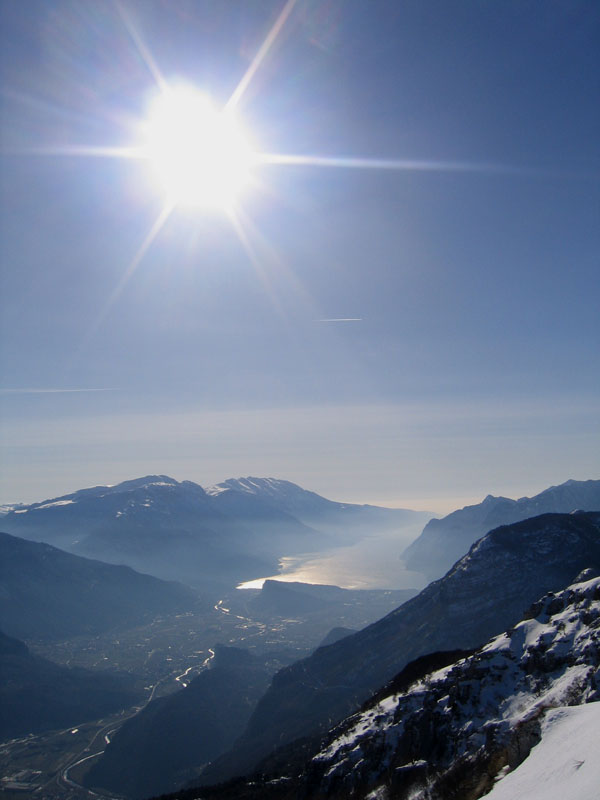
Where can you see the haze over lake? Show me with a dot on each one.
(372, 563)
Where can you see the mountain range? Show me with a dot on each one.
(444, 541)
(229, 721)
(319, 512)
(454, 724)
(210, 539)
(483, 594)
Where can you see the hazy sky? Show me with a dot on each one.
(471, 273)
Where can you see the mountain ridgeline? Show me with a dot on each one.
(210, 539)
(48, 594)
(444, 541)
(482, 595)
(452, 724)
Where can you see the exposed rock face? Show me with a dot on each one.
(462, 724)
(482, 595)
(444, 541)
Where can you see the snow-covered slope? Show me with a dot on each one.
(482, 595)
(444, 541)
(564, 764)
(464, 723)
(454, 732)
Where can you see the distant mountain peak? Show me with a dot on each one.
(254, 485)
(444, 541)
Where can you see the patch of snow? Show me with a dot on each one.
(56, 503)
(546, 662)
(564, 764)
(6, 508)
(215, 490)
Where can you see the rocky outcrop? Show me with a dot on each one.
(451, 732)
(484, 593)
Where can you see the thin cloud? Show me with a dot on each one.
(53, 391)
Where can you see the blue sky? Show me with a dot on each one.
(473, 367)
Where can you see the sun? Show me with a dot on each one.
(199, 154)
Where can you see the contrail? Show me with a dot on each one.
(341, 319)
(403, 164)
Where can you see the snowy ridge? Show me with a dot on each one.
(126, 487)
(485, 710)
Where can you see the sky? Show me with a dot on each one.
(436, 186)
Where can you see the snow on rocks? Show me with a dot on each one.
(478, 716)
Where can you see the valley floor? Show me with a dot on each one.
(164, 656)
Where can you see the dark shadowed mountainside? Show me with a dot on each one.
(452, 724)
(174, 736)
(444, 541)
(38, 695)
(48, 594)
(483, 594)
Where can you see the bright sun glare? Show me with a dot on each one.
(198, 153)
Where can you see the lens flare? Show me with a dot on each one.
(200, 155)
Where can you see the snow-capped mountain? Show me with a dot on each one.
(454, 731)
(317, 511)
(233, 532)
(444, 541)
(168, 528)
(484, 593)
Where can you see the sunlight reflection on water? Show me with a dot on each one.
(372, 563)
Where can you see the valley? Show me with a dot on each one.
(299, 430)
(119, 684)
(164, 656)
